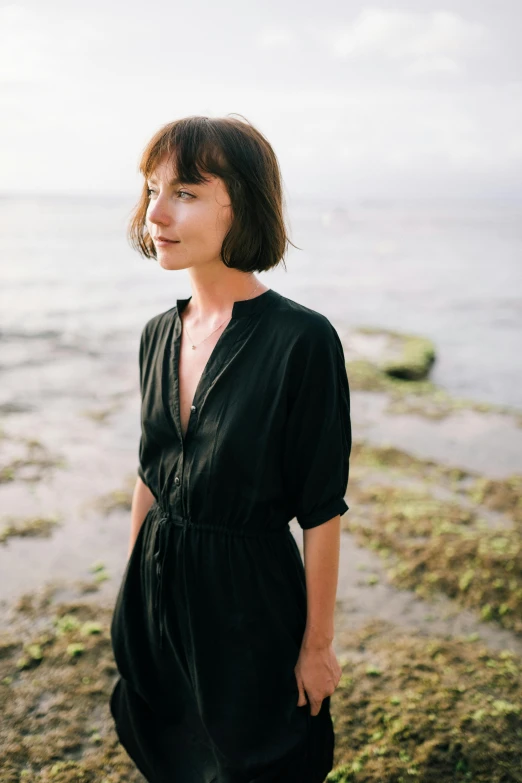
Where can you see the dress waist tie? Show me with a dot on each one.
(164, 527)
(160, 550)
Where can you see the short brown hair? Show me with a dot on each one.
(241, 156)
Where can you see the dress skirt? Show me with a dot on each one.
(206, 651)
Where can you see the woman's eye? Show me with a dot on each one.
(150, 192)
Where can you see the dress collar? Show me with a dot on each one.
(242, 307)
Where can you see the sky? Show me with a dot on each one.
(360, 100)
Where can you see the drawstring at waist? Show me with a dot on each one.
(160, 550)
(164, 527)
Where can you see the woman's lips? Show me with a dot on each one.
(163, 242)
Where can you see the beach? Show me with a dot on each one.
(429, 603)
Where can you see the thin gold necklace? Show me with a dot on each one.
(194, 346)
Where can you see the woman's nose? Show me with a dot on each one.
(158, 212)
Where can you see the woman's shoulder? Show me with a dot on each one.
(302, 323)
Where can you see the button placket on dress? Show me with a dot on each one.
(161, 544)
(205, 381)
(172, 517)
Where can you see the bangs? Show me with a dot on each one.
(191, 148)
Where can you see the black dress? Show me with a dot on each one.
(211, 611)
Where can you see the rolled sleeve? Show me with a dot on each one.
(318, 429)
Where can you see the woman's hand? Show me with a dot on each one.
(317, 672)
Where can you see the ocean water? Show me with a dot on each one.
(74, 295)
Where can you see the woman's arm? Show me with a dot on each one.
(317, 670)
(142, 500)
(321, 546)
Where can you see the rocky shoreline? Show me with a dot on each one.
(429, 610)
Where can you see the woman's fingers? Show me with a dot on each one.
(302, 694)
(315, 707)
(304, 699)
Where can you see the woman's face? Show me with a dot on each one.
(195, 218)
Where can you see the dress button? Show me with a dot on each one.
(192, 408)
(176, 480)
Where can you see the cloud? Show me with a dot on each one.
(22, 47)
(36, 48)
(424, 41)
(425, 65)
(275, 39)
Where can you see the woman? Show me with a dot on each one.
(222, 637)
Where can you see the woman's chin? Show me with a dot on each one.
(168, 263)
